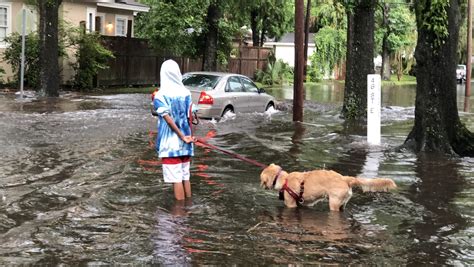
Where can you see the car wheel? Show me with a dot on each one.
(227, 109)
(270, 105)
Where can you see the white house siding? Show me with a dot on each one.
(286, 51)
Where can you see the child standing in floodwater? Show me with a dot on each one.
(174, 142)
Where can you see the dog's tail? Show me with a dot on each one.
(373, 185)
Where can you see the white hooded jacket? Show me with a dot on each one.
(173, 99)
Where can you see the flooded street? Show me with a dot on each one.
(80, 183)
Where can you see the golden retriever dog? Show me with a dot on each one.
(308, 188)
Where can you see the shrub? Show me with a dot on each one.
(2, 71)
(276, 72)
(12, 56)
(91, 56)
(330, 51)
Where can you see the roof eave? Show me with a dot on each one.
(125, 7)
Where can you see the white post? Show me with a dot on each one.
(373, 108)
(22, 71)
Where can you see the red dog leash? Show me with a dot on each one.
(235, 155)
(298, 198)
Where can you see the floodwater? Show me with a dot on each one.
(80, 183)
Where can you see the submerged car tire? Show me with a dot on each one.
(270, 105)
(227, 109)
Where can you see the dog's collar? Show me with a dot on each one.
(276, 177)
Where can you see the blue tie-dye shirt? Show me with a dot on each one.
(168, 143)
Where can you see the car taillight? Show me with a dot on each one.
(205, 99)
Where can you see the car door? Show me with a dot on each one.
(235, 94)
(255, 103)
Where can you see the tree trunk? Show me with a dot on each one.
(385, 71)
(209, 62)
(48, 34)
(437, 126)
(360, 59)
(254, 27)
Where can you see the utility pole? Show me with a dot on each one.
(299, 62)
(306, 37)
(467, 92)
(22, 65)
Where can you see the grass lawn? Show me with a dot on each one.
(404, 80)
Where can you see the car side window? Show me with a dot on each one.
(249, 86)
(234, 85)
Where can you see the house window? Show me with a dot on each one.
(121, 26)
(4, 23)
(90, 21)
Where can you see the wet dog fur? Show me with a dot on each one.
(320, 185)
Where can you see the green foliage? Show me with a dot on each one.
(173, 26)
(12, 56)
(227, 29)
(329, 13)
(330, 51)
(401, 28)
(432, 15)
(462, 41)
(273, 18)
(330, 23)
(2, 71)
(401, 35)
(91, 56)
(178, 27)
(276, 72)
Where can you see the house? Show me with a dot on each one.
(108, 17)
(285, 48)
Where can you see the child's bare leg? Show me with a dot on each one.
(178, 191)
(187, 188)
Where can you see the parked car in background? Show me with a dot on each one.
(461, 73)
(217, 93)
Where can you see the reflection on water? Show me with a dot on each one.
(80, 184)
(441, 220)
(333, 92)
(169, 236)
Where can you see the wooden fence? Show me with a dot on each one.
(136, 63)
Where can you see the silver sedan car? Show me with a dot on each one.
(217, 93)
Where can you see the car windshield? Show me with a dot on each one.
(201, 81)
(461, 67)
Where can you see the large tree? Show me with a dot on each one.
(395, 35)
(49, 47)
(267, 18)
(211, 36)
(330, 26)
(437, 126)
(359, 57)
(195, 28)
(173, 27)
